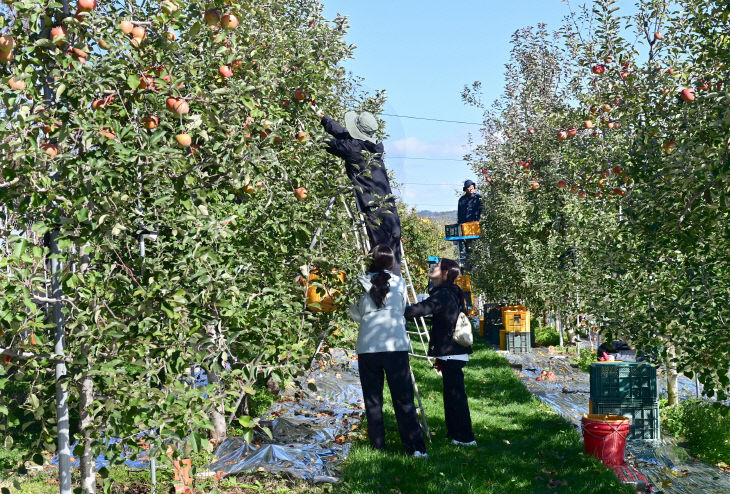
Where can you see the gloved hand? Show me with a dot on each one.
(437, 365)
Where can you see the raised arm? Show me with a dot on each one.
(428, 306)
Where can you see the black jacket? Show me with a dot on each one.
(442, 304)
(470, 208)
(372, 186)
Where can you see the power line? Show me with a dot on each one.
(433, 119)
(421, 158)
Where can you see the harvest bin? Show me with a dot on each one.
(471, 228)
(644, 417)
(623, 381)
(453, 230)
(518, 342)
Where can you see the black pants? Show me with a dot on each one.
(383, 226)
(395, 366)
(456, 406)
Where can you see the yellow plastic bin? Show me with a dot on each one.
(481, 327)
(471, 228)
(502, 339)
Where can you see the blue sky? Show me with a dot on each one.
(423, 53)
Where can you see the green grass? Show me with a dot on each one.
(523, 447)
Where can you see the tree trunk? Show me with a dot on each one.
(672, 389)
(217, 414)
(88, 472)
(559, 327)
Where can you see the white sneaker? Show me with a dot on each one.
(420, 454)
(459, 443)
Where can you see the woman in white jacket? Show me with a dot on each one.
(382, 348)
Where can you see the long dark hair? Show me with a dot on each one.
(451, 268)
(382, 259)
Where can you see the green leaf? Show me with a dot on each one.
(246, 421)
(132, 81)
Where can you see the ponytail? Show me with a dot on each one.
(380, 288)
(382, 259)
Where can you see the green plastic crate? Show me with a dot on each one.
(623, 381)
(518, 342)
(644, 417)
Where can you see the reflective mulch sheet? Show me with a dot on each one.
(667, 466)
(309, 425)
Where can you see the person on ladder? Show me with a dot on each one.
(469, 209)
(382, 349)
(363, 154)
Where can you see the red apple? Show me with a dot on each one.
(582, 194)
(588, 124)
(299, 95)
(562, 135)
(485, 171)
(669, 147)
(302, 136)
(604, 173)
(126, 26)
(225, 71)
(7, 44)
(150, 122)
(50, 149)
(619, 192)
(703, 85)
(16, 85)
(562, 184)
(617, 170)
(658, 35)
(599, 69)
(624, 75)
(671, 71)
(687, 94)
(530, 131)
(572, 131)
(229, 21)
(139, 32)
(608, 60)
(300, 193)
(86, 5)
(58, 35)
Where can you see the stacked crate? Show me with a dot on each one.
(516, 323)
(471, 229)
(492, 322)
(628, 389)
(453, 230)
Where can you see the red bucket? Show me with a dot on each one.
(604, 437)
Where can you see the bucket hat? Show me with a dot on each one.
(361, 125)
(468, 184)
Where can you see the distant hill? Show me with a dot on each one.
(441, 217)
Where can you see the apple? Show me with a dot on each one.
(687, 94)
(16, 85)
(611, 125)
(624, 75)
(225, 71)
(126, 26)
(150, 122)
(703, 85)
(596, 133)
(562, 184)
(588, 124)
(626, 64)
(300, 193)
(658, 35)
(671, 71)
(299, 95)
(7, 44)
(534, 185)
(183, 140)
(108, 133)
(177, 105)
(602, 184)
(572, 131)
(608, 60)
(229, 21)
(168, 7)
(619, 192)
(582, 194)
(302, 136)
(146, 82)
(50, 149)
(606, 108)
(489, 179)
(617, 170)
(249, 189)
(604, 173)
(86, 5)
(237, 64)
(139, 32)
(669, 147)
(599, 69)
(562, 135)
(58, 35)
(212, 17)
(170, 35)
(530, 131)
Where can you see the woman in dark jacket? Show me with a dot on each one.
(444, 303)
